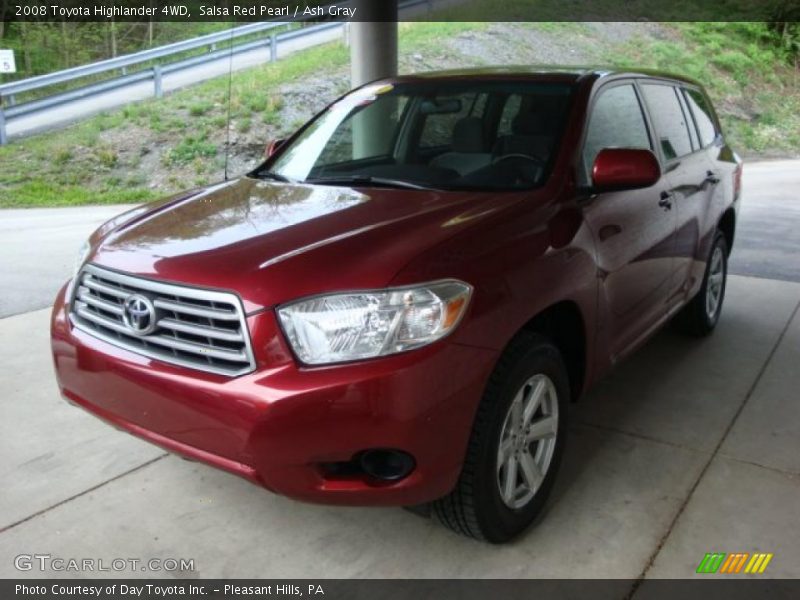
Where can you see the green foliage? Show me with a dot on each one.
(107, 157)
(748, 76)
(40, 192)
(189, 148)
(244, 125)
(199, 108)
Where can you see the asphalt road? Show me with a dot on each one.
(70, 112)
(767, 242)
(38, 246)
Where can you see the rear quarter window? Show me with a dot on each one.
(703, 117)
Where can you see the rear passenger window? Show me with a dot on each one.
(702, 116)
(671, 128)
(616, 122)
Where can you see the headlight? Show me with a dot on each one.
(83, 254)
(352, 326)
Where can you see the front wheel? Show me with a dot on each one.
(700, 315)
(515, 447)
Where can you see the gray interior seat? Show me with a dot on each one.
(468, 148)
(532, 130)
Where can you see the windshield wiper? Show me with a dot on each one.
(367, 180)
(274, 176)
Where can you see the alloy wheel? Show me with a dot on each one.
(716, 278)
(527, 441)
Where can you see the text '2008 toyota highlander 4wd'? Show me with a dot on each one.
(397, 306)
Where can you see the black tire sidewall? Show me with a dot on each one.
(719, 242)
(498, 522)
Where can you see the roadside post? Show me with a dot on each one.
(7, 66)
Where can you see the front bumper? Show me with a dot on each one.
(278, 425)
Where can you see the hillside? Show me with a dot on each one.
(155, 147)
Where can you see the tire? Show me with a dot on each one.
(700, 316)
(477, 506)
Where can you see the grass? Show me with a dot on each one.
(74, 166)
(191, 148)
(42, 193)
(754, 89)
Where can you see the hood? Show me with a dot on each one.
(273, 242)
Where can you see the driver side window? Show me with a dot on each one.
(616, 121)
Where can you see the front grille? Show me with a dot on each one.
(191, 327)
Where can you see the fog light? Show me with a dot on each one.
(387, 465)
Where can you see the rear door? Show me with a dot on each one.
(688, 172)
(721, 175)
(634, 233)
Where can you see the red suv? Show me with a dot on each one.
(398, 305)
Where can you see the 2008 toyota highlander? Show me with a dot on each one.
(397, 306)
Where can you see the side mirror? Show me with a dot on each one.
(624, 169)
(272, 147)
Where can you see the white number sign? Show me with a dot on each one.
(7, 64)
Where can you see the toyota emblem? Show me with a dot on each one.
(139, 314)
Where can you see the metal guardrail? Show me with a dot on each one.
(158, 70)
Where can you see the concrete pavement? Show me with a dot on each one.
(768, 233)
(665, 463)
(38, 249)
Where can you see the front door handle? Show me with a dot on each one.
(665, 202)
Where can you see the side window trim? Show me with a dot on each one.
(685, 102)
(602, 89)
(688, 117)
(685, 89)
(672, 163)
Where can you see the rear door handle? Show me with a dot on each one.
(711, 178)
(665, 202)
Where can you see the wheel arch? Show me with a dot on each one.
(564, 325)
(727, 225)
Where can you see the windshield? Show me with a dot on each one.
(443, 135)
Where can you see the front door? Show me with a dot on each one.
(633, 230)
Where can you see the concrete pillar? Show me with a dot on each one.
(373, 55)
(373, 44)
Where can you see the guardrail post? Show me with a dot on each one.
(273, 48)
(11, 100)
(159, 92)
(3, 137)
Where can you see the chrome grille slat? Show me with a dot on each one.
(197, 311)
(200, 330)
(91, 283)
(169, 342)
(196, 328)
(82, 310)
(86, 297)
